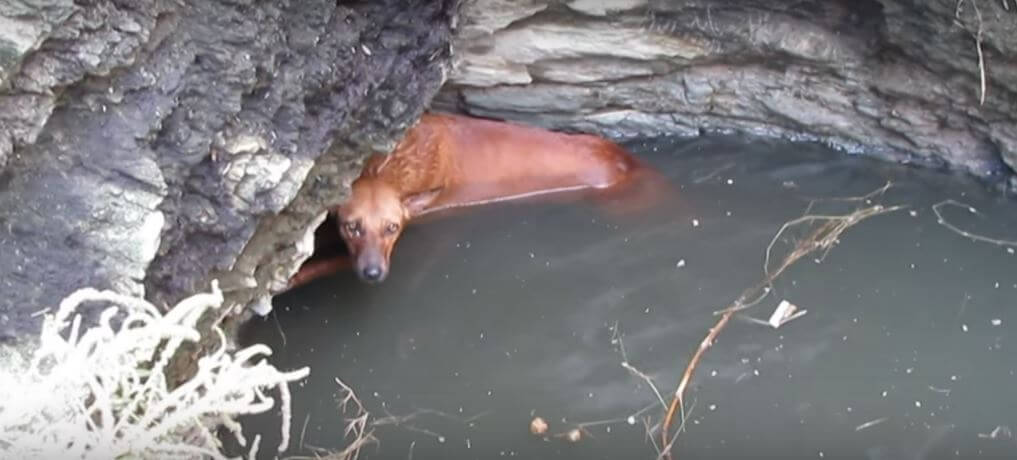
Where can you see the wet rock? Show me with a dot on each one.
(152, 146)
(891, 78)
(24, 26)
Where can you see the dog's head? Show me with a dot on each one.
(371, 221)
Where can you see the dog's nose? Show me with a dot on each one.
(372, 273)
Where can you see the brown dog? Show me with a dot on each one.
(447, 161)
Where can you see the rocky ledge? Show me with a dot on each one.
(152, 146)
(155, 145)
(897, 79)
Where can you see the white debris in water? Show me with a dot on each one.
(870, 423)
(918, 403)
(695, 222)
(680, 264)
(913, 213)
(964, 327)
(996, 285)
(713, 407)
(1009, 250)
(997, 321)
(631, 420)
(785, 312)
(730, 182)
(1000, 432)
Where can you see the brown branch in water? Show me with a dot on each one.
(824, 237)
(397, 420)
(577, 430)
(357, 426)
(942, 221)
(616, 338)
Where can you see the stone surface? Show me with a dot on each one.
(24, 25)
(896, 79)
(154, 145)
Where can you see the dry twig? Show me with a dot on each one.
(942, 221)
(822, 237)
(977, 36)
(357, 426)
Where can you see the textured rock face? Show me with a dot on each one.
(895, 78)
(150, 146)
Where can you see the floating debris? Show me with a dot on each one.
(871, 423)
(538, 426)
(1000, 432)
(786, 311)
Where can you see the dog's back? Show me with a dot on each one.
(477, 161)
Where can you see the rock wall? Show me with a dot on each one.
(151, 145)
(899, 79)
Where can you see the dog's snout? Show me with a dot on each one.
(372, 273)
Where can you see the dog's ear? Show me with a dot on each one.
(418, 202)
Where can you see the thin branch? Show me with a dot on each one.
(824, 237)
(936, 208)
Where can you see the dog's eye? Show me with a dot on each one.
(391, 228)
(353, 228)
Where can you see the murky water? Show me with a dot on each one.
(512, 311)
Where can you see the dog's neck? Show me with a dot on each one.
(418, 163)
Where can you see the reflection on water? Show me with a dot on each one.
(511, 311)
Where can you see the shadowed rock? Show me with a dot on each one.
(890, 78)
(151, 146)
